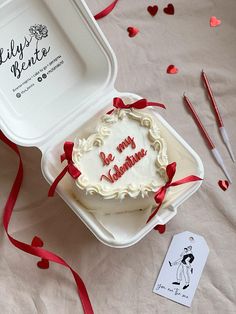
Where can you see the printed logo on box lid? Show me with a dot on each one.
(16, 51)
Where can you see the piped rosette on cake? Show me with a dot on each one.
(123, 164)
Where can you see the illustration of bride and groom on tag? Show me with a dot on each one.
(184, 269)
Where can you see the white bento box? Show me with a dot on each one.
(57, 74)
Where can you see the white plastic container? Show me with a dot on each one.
(57, 74)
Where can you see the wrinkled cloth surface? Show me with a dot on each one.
(121, 280)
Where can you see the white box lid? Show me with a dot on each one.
(54, 62)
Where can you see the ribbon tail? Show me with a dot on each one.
(36, 251)
(106, 11)
(110, 112)
(63, 157)
(156, 104)
(83, 294)
(154, 213)
(73, 171)
(16, 185)
(53, 187)
(188, 179)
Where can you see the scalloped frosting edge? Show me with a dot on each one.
(82, 146)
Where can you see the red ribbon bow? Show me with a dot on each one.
(160, 194)
(140, 104)
(73, 171)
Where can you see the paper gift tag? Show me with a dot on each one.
(182, 268)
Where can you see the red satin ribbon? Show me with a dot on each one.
(140, 104)
(37, 251)
(73, 171)
(160, 194)
(106, 11)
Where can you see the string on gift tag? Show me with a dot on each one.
(37, 251)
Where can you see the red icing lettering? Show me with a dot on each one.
(143, 152)
(123, 145)
(128, 163)
(119, 171)
(115, 176)
(108, 177)
(106, 159)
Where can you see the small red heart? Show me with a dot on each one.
(169, 9)
(223, 184)
(214, 21)
(43, 264)
(172, 69)
(160, 228)
(152, 9)
(37, 242)
(133, 31)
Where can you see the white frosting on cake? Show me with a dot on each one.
(139, 177)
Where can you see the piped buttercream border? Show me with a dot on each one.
(82, 146)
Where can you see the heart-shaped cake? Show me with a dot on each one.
(123, 164)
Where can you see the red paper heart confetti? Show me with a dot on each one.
(133, 31)
(37, 242)
(170, 10)
(223, 184)
(214, 21)
(172, 69)
(43, 264)
(152, 9)
(160, 228)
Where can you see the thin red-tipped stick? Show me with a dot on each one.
(212, 99)
(219, 120)
(207, 138)
(204, 133)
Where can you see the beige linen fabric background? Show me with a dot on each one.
(120, 281)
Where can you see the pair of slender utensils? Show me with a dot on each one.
(220, 124)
